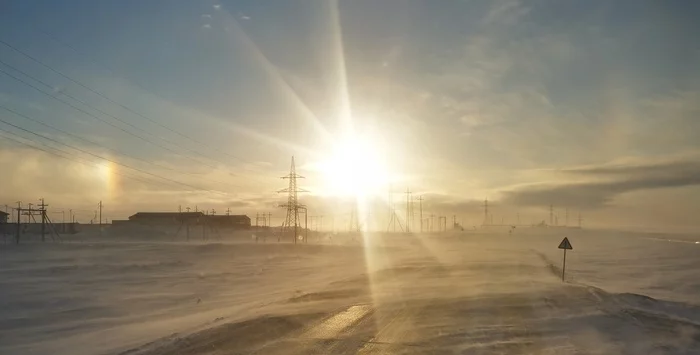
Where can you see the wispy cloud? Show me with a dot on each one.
(598, 186)
(206, 26)
(206, 16)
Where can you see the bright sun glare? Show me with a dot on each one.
(355, 166)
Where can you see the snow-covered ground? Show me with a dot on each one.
(466, 293)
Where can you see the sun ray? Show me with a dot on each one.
(280, 83)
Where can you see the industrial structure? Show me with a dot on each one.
(179, 218)
(292, 223)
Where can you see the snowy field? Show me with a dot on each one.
(462, 293)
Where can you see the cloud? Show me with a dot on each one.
(206, 26)
(505, 12)
(206, 16)
(602, 184)
(216, 6)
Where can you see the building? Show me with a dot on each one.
(4, 216)
(229, 221)
(166, 218)
(192, 218)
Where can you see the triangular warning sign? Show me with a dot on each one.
(565, 244)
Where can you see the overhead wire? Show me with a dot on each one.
(108, 159)
(113, 101)
(86, 162)
(55, 97)
(117, 152)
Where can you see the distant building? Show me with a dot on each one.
(4, 216)
(229, 221)
(166, 218)
(177, 218)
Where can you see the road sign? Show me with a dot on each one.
(566, 246)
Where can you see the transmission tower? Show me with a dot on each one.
(290, 226)
(486, 212)
(354, 220)
(409, 210)
(420, 208)
(393, 219)
(551, 215)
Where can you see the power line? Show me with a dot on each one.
(106, 159)
(97, 118)
(109, 99)
(85, 162)
(113, 72)
(117, 152)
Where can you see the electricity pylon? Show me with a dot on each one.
(292, 222)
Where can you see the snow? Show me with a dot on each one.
(468, 292)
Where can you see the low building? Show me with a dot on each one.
(166, 218)
(229, 221)
(4, 216)
(177, 218)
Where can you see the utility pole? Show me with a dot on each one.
(486, 212)
(420, 208)
(551, 215)
(228, 211)
(566, 220)
(204, 225)
(408, 210)
(269, 219)
(42, 209)
(19, 221)
(100, 206)
(579, 220)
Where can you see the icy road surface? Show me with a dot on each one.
(467, 293)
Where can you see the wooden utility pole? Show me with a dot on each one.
(42, 209)
(204, 225)
(19, 221)
(100, 206)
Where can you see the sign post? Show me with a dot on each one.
(564, 245)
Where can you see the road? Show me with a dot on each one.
(502, 299)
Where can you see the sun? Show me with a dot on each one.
(354, 166)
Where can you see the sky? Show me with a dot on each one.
(588, 106)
